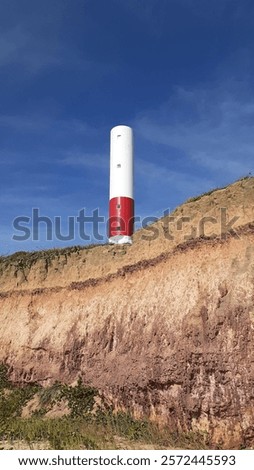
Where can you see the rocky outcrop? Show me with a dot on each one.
(168, 336)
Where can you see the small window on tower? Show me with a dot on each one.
(119, 135)
(118, 165)
(118, 228)
(118, 206)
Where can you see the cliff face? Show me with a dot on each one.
(164, 328)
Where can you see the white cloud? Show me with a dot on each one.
(164, 175)
(11, 42)
(149, 12)
(20, 48)
(32, 53)
(213, 128)
(86, 160)
(38, 123)
(24, 123)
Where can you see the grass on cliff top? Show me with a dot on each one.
(85, 427)
(25, 259)
(208, 193)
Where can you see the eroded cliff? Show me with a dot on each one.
(165, 328)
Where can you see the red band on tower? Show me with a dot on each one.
(121, 216)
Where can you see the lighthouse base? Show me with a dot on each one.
(120, 240)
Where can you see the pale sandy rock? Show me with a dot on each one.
(164, 328)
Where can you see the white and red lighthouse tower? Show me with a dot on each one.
(121, 204)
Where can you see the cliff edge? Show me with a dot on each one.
(165, 327)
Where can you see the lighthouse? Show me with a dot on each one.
(121, 199)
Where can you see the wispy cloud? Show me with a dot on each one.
(11, 43)
(23, 123)
(160, 186)
(31, 53)
(148, 12)
(86, 160)
(18, 47)
(212, 128)
(152, 13)
(163, 175)
(39, 123)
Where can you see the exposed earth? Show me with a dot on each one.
(164, 328)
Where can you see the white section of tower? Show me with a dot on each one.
(121, 162)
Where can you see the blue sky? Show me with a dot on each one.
(180, 72)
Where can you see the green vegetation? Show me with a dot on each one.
(25, 259)
(196, 198)
(86, 425)
(4, 381)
